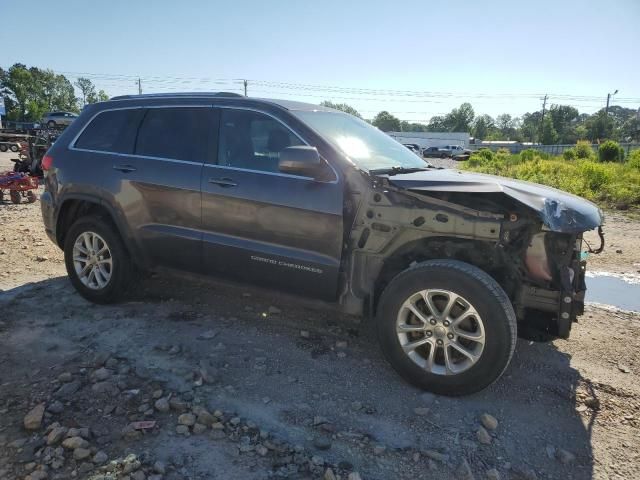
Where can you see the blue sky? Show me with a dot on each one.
(501, 56)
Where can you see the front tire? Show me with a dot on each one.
(97, 262)
(447, 327)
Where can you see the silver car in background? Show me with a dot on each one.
(55, 119)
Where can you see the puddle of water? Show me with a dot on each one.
(617, 291)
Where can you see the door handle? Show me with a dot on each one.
(223, 182)
(124, 168)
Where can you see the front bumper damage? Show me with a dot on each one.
(564, 296)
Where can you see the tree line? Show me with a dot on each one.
(31, 92)
(560, 124)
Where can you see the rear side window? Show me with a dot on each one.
(110, 131)
(180, 133)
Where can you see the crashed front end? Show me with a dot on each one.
(528, 237)
(554, 282)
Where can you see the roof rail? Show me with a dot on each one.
(178, 95)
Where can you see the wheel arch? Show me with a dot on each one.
(74, 207)
(482, 254)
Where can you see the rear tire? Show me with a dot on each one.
(14, 195)
(480, 322)
(120, 270)
(3, 148)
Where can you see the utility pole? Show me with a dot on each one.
(609, 95)
(544, 107)
(139, 87)
(245, 87)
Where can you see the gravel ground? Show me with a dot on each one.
(241, 383)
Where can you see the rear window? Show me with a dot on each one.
(110, 131)
(179, 133)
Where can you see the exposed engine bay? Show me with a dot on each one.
(537, 260)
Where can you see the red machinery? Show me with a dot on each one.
(19, 185)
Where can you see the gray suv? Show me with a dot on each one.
(447, 265)
(58, 119)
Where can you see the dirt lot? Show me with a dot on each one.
(240, 383)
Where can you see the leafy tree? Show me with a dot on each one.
(412, 127)
(386, 122)
(599, 126)
(16, 84)
(437, 124)
(342, 107)
(549, 135)
(504, 122)
(102, 96)
(87, 90)
(30, 92)
(507, 125)
(483, 127)
(531, 126)
(460, 119)
(564, 118)
(53, 92)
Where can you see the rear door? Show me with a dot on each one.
(264, 226)
(157, 187)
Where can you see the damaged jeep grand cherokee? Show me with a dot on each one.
(447, 265)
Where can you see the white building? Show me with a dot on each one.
(432, 139)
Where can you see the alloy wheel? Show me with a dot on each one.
(92, 260)
(440, 331)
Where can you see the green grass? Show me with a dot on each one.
(610, 184)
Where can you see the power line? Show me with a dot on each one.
(340, 89)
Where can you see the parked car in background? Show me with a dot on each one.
(414, 147)
(447, 265)
(455, 150)
(435, 152)
(57, 119)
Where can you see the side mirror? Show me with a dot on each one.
(300, 160)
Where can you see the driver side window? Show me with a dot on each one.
(252, 140)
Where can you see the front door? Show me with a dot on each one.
(264, 226)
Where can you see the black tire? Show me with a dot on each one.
(482, 292)
(443, 155)
(3, 148)
(15, 197)
(14, 148)
(123, 271)
(51, 124)
(31, 196)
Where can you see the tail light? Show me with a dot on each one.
(47, 162)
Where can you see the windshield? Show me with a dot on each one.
(365, 145)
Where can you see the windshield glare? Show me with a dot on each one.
(365, 145)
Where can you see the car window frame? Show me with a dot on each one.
(209, 141)
(215, 161)
(73, 144)
(211, 137)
